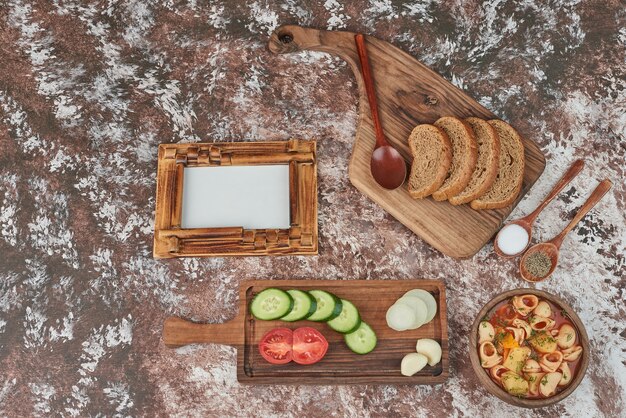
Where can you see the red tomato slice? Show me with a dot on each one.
(275, 346)
(309, 346)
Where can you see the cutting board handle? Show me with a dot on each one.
(178, 332)
(292, 38)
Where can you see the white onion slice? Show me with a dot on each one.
(400, 317)
(428, 299)
(418, 306)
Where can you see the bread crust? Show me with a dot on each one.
(519, 148)
(491, 171)
(478, 205)
(465, 175)
(442, 167)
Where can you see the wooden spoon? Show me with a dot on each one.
(551, 248)
(387, 165)
(527, 221)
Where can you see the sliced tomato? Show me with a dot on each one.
(309, 346)
(275, 346)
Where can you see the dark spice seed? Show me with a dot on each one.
(538, 264)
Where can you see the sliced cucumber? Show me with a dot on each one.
(361, 341)
(271, 304)
(328, 306)
(348, 320)
(304, 305)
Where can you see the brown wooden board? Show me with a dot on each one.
(409, 93)
(340, 365)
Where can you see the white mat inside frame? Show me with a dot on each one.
(252, 197)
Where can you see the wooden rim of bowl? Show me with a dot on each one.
(483, 374)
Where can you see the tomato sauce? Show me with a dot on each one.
(503, 316)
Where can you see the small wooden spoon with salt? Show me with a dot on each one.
(527, 221)
(551, 248)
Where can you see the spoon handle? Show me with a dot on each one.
(569, 175)
(594, 198)
(368, 80)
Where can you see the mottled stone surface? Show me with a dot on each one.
(89, 89)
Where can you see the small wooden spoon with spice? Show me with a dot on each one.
(512, 236)
(539, 262)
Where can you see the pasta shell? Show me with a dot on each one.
(566, 377)
(550, 362)
(572, 353)
(531, 366)
(518, 334)
(485, 332)
(497, 371)
(520, 323)
(543, 309)
(533, 382)
(489, 357)
(566, 336)
(548, 383)
(525, 304)
(540, 323)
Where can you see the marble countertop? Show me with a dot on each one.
(89, 89)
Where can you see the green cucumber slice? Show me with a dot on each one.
(328, 306)
(361, 341)
(304, 305)
(271, 304)
(348, 320)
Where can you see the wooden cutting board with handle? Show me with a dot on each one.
(340, 365)
(409, 93)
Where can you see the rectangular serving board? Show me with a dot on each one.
(340, 365)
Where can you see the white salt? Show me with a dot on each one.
(512, 239)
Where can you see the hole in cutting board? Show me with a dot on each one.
(252, 197)
(286, 37)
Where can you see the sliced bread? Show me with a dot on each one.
(464, 156)
(508, 182)
(487, 164)
(432, 156)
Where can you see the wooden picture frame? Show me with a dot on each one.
(171, 240)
